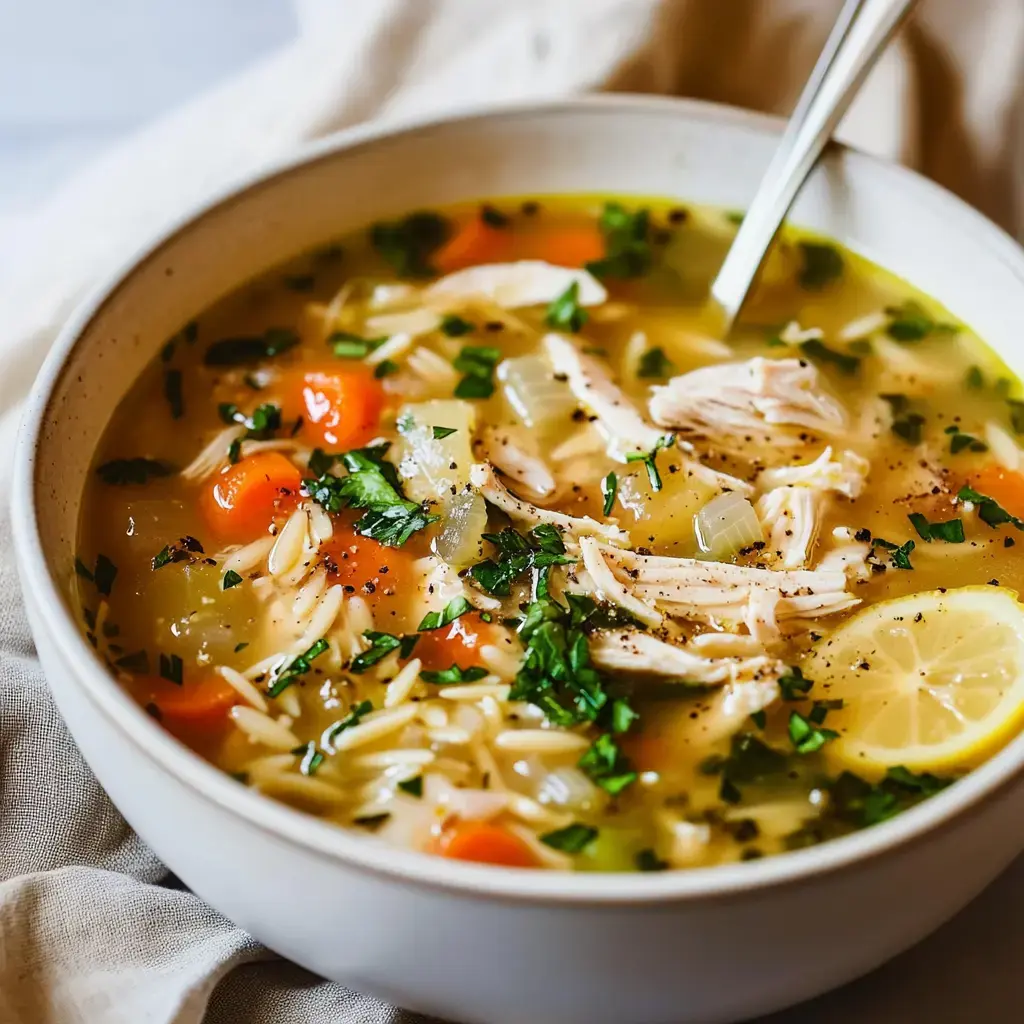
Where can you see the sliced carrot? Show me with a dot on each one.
(457, 644)
(362, 566)
(339, 408)
(473, 243)
(485, 843)
(246, 498)
(1002, 485)
(567, 245)
(197, 704)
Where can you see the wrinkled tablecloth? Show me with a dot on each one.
(92, 927)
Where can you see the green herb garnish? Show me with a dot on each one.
(476, 363)
(609, 489)
(174, 393)
(899, 554)
(573, 838)
(654, 363)
(355, 713)
(627, 244)
(413, 786)
(807, 737)
(408, 244)
(989, 510)
(381, 645)
(951, 530)
(842, 361)
(311, 758)
(958, 440)
(648, 459)
(454, 675)
(794, 685)
(607, 766)
(540, 548)
(292, 671)
(440, 433)
(172, 668)
(353, 346)
(821, 265)
(251, 349)
(231, 579)
(565, 313)
(453, 326)
(104, 575)
(452, 610)
(909, 322)
(648, 860)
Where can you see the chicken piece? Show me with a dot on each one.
(630, 650)
(511, 458)
(791, 518)
(610, 589)
(847, 555)
(740, 405)
(516, 285)
(716, 592)
(844, 475)
(482, 478)
(625, 430)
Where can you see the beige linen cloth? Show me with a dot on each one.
(92, 927)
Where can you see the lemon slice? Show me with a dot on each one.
(930, 681)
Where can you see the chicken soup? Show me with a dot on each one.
(468, 532)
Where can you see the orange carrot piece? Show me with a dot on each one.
(365, 567)
(457, 644)
(340, 408)
(246, 498)
(473, 243)
(571, 246)
(485, 843)
(1002, 485)
(197, 704)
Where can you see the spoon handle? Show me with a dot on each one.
(855, 43)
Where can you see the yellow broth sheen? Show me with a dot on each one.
(181, 609)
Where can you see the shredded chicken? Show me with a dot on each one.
(527, 469)
(483, 479)
(624, 428)
(609, 588)
(772, 400)
(717, 593)
(844, 475)
(516, 285)
(791, 517)
(630, 650)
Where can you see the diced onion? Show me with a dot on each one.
(465, 519)
(538, 399)
(431, 466)
(568, 788)
(725, 525)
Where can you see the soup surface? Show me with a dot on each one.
(468, 532)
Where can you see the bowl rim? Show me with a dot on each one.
(342, 846)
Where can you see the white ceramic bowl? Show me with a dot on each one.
(460, 941)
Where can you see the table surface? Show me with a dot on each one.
(63, 99)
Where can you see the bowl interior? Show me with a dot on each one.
(695, 152)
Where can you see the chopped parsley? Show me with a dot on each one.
(648, 860)
(371, 484)
(476, 363)
(174, 393)
(899, 554)
(413, 786)
(320, 462)
(453, 326)
(958, 440)
(182, 550)
(654, 363)
(609, 489)
(251, 348)
(239, 647)
(820, 265)
(440, 433)
(540, 548)
(859, 803)
(794, 685)
(806, 736)
(452, 610)
(104, 575)
(231, 579)
(974, 378)
(264, 422)
(311, 758)
(292, 671)
(493, 217)
(842, 361)
(565, 313)
(385, 368)
(407, 245)
(909, 322)
(172, 668)
(381, 645)
(353, 346)
(627, 246)
(607, 766)
(759, 718)
(1016, 415)
(573, 838)
(989, 510)
(125, 472)
(907, 425)
(454, 675)
(355, 713)
(951, 530)
(648, 459)
(749, 760)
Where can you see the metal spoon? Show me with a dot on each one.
(860, 35)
